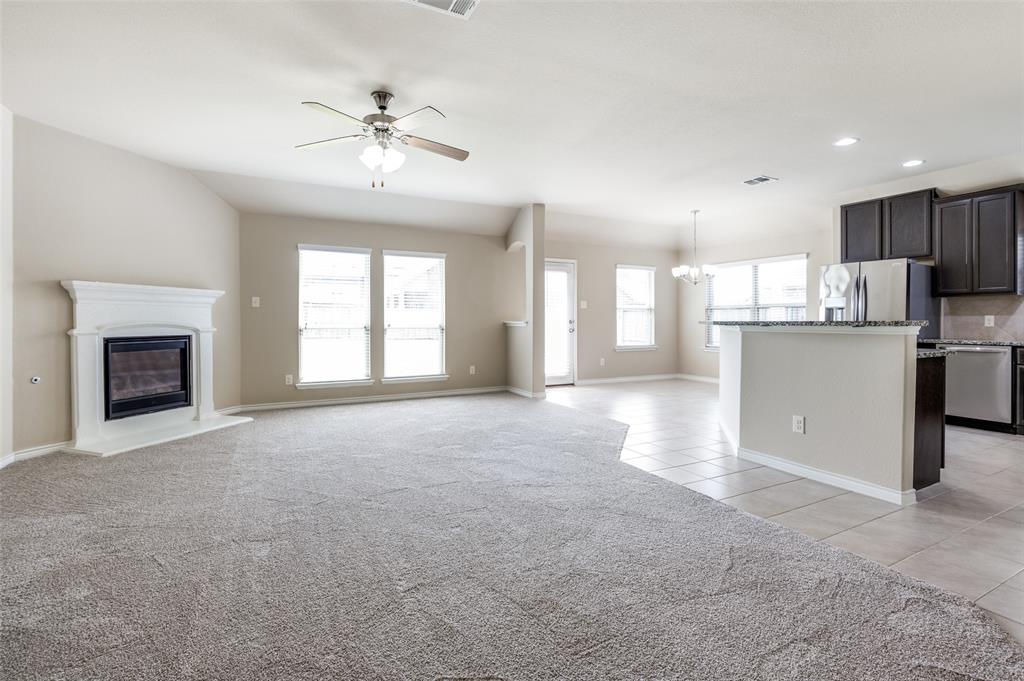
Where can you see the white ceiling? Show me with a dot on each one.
(631, 111)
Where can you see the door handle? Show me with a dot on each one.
(864, 298)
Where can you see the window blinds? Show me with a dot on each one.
(773, 289)
(334, 314)
(414, 291)
(634, 303)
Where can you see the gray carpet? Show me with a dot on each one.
(487, 537)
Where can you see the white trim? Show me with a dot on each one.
(335, 249)
(315, 385)
(698, 378)
(525, 393)
(627, 379)
(370, 398)
(415, 379)
(518, 322)
(32, 452)
(415, 254)
(870, 489)
(651, 268)
(634, 348)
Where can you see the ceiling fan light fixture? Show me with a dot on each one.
(372, 156)
(392, 160)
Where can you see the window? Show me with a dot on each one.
(634, 303)
(334, 314)
(413, 314)
(773, 289)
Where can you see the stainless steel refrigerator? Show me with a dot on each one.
(879, 290)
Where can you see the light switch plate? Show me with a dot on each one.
(990, 320)
(288, 380)
(472, 369)
(583, 305)
(602, 361)
(255, 301)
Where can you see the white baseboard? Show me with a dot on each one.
(625, 379)
(697, 377)
(869, 489)
(368, 398)
(526, 393)
(646, 377)
(32, 452)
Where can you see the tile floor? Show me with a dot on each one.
(967, 536)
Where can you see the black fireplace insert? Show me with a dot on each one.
(146, 374)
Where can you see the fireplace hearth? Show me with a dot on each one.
(146, 374)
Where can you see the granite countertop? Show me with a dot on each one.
(928, 354)
(947, 341)
(853, 324)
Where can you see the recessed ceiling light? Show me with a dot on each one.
(912, 163)
(845, 141)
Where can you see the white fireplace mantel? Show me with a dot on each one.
(104, 310)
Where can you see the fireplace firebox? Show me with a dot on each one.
(146, 374)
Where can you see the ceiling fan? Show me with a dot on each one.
(385, 130)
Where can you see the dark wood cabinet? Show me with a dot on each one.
(861, 231)
(891, 227)
(953, 247)
(978, 242)
(907, 225)
(994, 259)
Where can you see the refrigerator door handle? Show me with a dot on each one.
(864, 298)
(855, 302)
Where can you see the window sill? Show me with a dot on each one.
(415, 379)
(635, 348)
(711, 349)
(335, 384)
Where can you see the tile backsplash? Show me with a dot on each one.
(963, 317)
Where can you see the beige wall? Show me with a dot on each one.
(525, 354)
(85, 210)
(694, 359)
(481, 280)
(595, 326)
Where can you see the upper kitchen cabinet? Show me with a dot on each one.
(907, 225)
(979, 242)
(890, 227)
(861, 231)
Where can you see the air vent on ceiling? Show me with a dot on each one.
(760, 179)
(458, 8)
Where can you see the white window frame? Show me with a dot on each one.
(653, 308)
(369, 327)
(756, 305)
(443, 376)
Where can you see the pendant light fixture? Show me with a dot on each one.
(690, 273)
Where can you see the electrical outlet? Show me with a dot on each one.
(990, 320)
(583, 305)
(472, 369)
(288, 380)
(255, 301)
(800, 425)
(602, 361)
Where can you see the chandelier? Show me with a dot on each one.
(690, 273)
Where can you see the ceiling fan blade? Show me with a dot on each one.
(333, 140)
(418, 118)
(435, 147)
(328, 110)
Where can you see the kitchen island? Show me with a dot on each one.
(835, 402)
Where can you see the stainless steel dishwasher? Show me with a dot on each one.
(979, 383)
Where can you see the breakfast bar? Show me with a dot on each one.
(836, 402)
